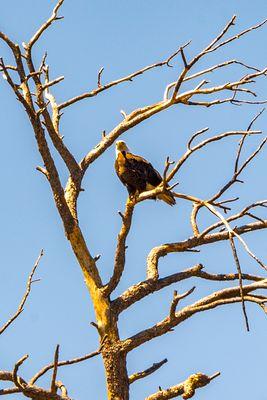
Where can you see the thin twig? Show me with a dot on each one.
(120, 254)
(99, 84)
(53, 387)
(63, 363)
(26, 294)
(46, 25)
(237, 262)
(129, 77)
(242, 140)
(176, 298)
(16, 379)
(143, 374)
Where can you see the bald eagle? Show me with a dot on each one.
(137, 174)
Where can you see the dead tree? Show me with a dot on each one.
(32, 86)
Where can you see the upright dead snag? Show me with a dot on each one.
(33, 87)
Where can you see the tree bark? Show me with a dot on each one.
(113, 356)
(116, 372)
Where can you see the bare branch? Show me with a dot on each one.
(123, 113)
(227, 277)
(63, 389)
(8, 41)
(194, 136)
(248, 102)
(43, 147)
(157, 252)
(219, 298)
(193, 218)
(233, 233)
(46, 25)
(168, 163)
(237, 262)
(24, 98)
(176, 298)
(186, 389)
(237, 173)
(206, 71)
(31, 391)
(129, 77)
(48, 367)
(8, 376)
(189, 65)
(99, 84)
(26, 294)
(20, 69)
(11, 67)
(119, 261)
(149, 286)
(217, 66)
(52, 83)
(144, 288)
(16, 379)
(53, 387)
(242, 140)
(234, 217)
(139, 115)
(232, 38)
(53, 130)
(43, 171)
(140, 375)
(12, 390)
(211, 103)
(191, 150)
(232, 86)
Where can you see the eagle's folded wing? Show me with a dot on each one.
(143, 169)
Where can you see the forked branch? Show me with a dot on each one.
(109, 85)
(216, 299)
(45, 25)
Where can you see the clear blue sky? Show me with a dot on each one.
(123, 36)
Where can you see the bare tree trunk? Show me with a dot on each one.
(113, 356)
(116, 372)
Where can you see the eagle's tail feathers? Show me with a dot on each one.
(168, 198)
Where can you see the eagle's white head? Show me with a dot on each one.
(121, 146)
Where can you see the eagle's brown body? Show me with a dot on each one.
(137, 174)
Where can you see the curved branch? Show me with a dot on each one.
(25, 297)
(46, 25)
(191, 150)
(221, 297)
(234, 217)
(157, 252)
(147, 287)
(20, 384)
